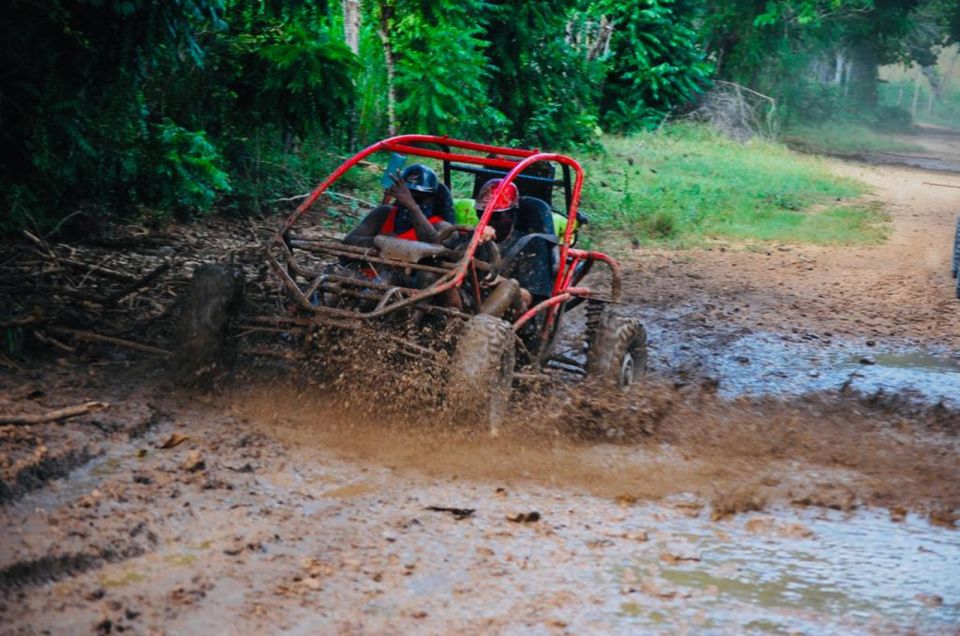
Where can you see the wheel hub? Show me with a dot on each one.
(627, 370)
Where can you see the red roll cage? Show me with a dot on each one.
(514, 161)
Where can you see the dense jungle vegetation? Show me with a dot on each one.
(149, 108)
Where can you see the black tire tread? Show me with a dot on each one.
(955, 261)
(609, 340)
(481, 371)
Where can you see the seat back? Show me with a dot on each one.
(534, 216)
(535, 181)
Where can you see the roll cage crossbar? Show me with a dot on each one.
(512, 160)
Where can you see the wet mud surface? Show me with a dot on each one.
(790, 465)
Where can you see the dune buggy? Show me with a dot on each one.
(481, 351)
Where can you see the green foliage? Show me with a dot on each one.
(689, 183)
(287, 68)
(190, 105)
(544, 84)
(190, 169)
(789, 48)
(441, 68)
(77, 122)
(655, 65)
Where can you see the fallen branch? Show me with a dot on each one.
(942, 185)
(22, 321)
(139, 284)
(55, 415)
(7, 362)
(335, 195)
(100, 269)
(53, 342)
(95, 337)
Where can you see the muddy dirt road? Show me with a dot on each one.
(792, 466)
(804, 318)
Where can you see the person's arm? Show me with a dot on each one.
(363, 234)
(456, 239)
(399, 191)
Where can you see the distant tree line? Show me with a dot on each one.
(152, 107)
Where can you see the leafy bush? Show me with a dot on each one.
(190, 169)
(893, 118)
(655, 63)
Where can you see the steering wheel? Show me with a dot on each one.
(495, 259)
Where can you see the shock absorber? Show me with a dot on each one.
(594, 313)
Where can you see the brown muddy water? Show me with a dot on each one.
(763, 363)
(348, 546)
(754, 483)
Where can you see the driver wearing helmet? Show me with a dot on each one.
(509, 293)
(421, 208)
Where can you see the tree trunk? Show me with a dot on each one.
(838, 69)
(949, 74)
(916, 96)
(351, 25)
(936, 86)
(864, 75)
(351, 37)
(386, 15)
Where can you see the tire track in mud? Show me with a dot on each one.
(72, 447)
(49, 568)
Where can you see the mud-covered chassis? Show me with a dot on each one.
(484, 351)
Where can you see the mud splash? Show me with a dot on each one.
(655, 442)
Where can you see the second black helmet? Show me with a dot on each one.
(420, 178)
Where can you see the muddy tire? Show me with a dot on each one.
(955, 262)
(212, 300)
(481, 373)
(616, 349)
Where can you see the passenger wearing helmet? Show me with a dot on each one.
(525, 235)
(510, 293)
(504, 208)
(421, 208)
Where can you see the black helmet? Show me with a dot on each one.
(420, 178)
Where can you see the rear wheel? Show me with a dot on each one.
(617, 348)
(481, 373)
(213, 298)
(955, 263)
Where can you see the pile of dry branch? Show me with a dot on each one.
(120, 291)
(737, 111)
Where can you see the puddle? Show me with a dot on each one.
(761, 363)
(854, 570)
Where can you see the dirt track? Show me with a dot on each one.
(900, 291)
(284, 512)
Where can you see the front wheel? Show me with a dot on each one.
(616, 349)
(955, 263)
(481, 373)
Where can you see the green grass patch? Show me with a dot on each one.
(687, 183)
(845, 138)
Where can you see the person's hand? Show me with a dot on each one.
(401, 192)
(487, 235)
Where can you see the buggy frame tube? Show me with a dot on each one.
(523, 159)
(550, 303)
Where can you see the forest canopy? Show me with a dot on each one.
(177, 106)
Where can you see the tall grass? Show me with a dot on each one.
(687, 183)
